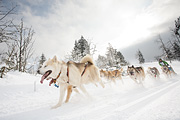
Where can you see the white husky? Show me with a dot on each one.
(70, 74)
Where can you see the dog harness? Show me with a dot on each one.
(68, 73)
(86, 64)
(54, 80)
(84, 69)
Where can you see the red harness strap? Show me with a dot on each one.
(68, 73)
(84, 70)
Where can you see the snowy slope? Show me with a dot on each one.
(157, 100)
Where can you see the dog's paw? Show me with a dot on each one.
(56, 106)
(66, 101)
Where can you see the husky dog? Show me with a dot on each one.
(117, 74)
(70, 74)
(112, 75)
(107, 75)
(167, 70)
(153, 72)
(136, 73)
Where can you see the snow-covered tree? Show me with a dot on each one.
(101, 62)
(114, 57)
(111, 56)
(140, 57)
(81, 48)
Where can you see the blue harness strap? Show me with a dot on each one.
(56, 85)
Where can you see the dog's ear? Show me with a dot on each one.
(132, 66)
(54, 59)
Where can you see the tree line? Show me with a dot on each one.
(112, 58)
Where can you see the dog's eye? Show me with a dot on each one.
(45, 66)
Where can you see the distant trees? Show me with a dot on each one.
(42, 60)
(113, 58)
(140, 57)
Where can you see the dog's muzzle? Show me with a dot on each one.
(131, 73)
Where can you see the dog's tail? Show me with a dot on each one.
(86, 59)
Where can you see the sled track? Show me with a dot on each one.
(121, 108)
(130, 108)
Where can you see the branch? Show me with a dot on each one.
(8, 12)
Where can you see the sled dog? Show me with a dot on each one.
(117, 74)
(112, 75)
(69, 75)
(107, 75)
(153, 72)
(136, 73)
(168, 71)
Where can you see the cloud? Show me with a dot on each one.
(120, 22)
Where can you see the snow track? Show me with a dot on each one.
(141, 100)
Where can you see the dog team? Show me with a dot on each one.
(72, 76)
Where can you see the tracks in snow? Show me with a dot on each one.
(128, 109)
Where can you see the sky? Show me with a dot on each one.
(128, 25)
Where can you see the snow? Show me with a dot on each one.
(22, 97)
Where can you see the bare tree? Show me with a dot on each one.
(6, 26)
(21, 49)
(25, 45)
(166, 51)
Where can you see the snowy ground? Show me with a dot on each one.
(157, 100)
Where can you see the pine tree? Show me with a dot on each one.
(42, 60)
(176, 51)
(120, 59)
(177, 29)
(81, 49)
(140, 57)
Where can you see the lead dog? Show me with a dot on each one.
(136, 73)
(70, 74)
